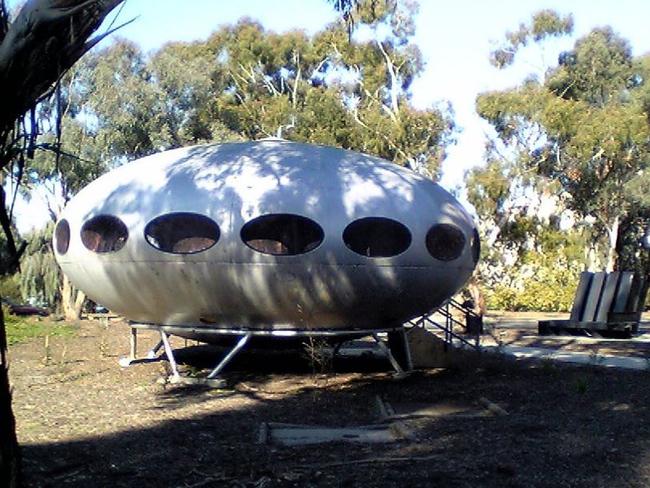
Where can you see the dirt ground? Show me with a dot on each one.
(84, 421)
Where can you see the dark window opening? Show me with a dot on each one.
(104, 233)
(282, 234)
(445, 242)
(182, 233)
(62, 236)
(377, 237)
(476, 246)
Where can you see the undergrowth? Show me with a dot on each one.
(22, 329)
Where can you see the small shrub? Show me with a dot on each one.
(318, 353)
(10, 288)
(549, 291)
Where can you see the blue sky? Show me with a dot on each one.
(454, 36)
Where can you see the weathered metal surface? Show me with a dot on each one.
(593, 298)
(606, 296)
(582, 292)
(230, 284)
(623, 292)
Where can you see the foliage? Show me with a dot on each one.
(527, 261)
(245, 82)
(40, 276)
(536, 271)
(544, 288)
(10, 287)
(544, 24)
(583, 129)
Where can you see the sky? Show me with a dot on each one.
(455, 38)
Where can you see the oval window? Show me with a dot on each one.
(445, 242)
(377, 237)
(282, 234)
(476, 246)
(182, 233)
(62, 236)
(104, 233)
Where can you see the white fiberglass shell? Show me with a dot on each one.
(227, 282)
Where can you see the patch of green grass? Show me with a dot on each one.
(22, 329)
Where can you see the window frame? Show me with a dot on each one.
(62, 224)
(173, 215)
(259, 220)
(116, 220)
(451, 228)
(397, 226)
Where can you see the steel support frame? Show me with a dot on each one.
(245, 336)
(211, 378)
(133, 358)
(394, 363)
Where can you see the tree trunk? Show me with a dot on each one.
(478, 299)
(612, 234)
(45, 39)
(592, 255)
(72, 300)
(9, 453)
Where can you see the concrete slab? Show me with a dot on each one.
(301, 435)
(408, 411)
(590, 359)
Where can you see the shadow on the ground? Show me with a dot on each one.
(566, 426)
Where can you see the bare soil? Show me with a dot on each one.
(84, 421)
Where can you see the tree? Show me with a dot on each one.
(39, 274)
(583, 127)
(245, 82)
(36, 48)
(525, 254)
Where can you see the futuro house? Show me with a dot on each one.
(266, 235)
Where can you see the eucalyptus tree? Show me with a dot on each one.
(582, 127)
(525, 253)
(245, 82)
(351, 93)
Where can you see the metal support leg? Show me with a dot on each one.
(407, 349)
(399, 347)
(132, 358)
(133, 350)
(153, 352)
(170, 354)
(222, 364)
(390, 356)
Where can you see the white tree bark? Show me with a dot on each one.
(72, 300)
(612, 234)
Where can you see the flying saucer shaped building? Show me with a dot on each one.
(266, 235)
